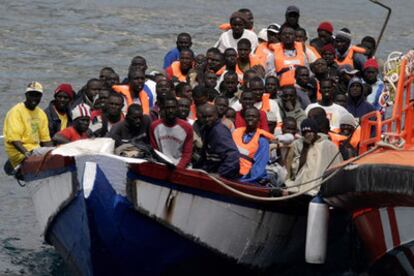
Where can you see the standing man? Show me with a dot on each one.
(229, 39)
(288, 54)
(183, 42)
(26, 128)
(172, 136)
(292, 17)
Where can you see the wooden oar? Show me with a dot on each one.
(385, 23)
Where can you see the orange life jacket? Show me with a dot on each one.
(349, 58)
(143, 97)
(337, 138)
(176, 71)
(262, 53)
(221, 71)
(248, 150)
(285, 66)
(253, 60)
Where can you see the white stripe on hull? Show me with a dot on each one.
(49, 196)
(250, 235)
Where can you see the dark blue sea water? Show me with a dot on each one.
(69, 41)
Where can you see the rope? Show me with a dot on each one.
(275, 199)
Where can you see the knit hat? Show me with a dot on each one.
(328, 48)
(81, 110)
(344, 33)
(326, 26)
(292, 9)
(34, 86)
(347, 119)
(371, 63)
(240, 15)
(309, 125)
(65, 88)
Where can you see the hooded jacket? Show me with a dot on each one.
(358, 107)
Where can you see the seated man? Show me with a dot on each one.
(184, 107)
(247, 100)
(289, 106)
(264, 103)
(309, 158)
(179, 69)
(222, 104)
(253, 145)
(219, 153)
(172, 136)
(25, 127)
(79, 130)
(58, 111)
(88, 94)
(103, 120)
(131, 132)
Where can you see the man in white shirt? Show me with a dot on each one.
(334, 112)
(238, 31)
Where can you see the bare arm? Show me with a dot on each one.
(19, 146)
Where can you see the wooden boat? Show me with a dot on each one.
(108, 214)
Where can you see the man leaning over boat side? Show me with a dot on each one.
(25, 128)
(219, 153)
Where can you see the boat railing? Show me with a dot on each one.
(399, 128)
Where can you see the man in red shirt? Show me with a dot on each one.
(247, 100)
(171, 135)
(79, 130)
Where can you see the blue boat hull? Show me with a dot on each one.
(126, 242)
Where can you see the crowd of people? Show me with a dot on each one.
(269, 108)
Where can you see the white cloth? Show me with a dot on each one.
(334, 113)
(274, 114)
(320, 155)
(227, 40)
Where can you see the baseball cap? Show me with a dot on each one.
(274, 28)
(292, 9)
(34, 86)
(348, 69)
